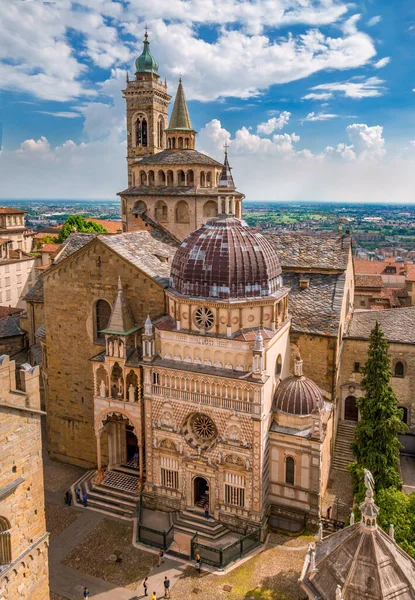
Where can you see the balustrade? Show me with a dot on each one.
(207, 399)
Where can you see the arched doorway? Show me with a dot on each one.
(122, 442)
(201, 492)
(351, 412)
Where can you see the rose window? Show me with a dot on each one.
(204, 427)
(200, 432)
(204, 317)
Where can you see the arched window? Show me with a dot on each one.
(151, 178)
(210, 209)
(140, 206)
(278, 366)
(143, 178)
(404, 414)
(181, 178)
(190, 177)
(182, 212)
(102, 316)
(141, 131)
(160, 131)
(161, 211)
(180, 142)
(161, 177)
(289, 470)
(5, 542)
(117, 383)
(170, 178)
(202, 179)
(399, 370)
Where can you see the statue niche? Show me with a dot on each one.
(117, 384)
(101, 382)
(132, 386)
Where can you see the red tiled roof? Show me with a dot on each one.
(49, 248)
(4, 210)
(110, 226)
(363, 281)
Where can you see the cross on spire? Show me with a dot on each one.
(226, 146)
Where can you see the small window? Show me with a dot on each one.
(289, 470)
(356, 367)
(102, 316)
(362, 303)
(399, 369)
(278, 366)
(404, 414)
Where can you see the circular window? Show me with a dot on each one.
(204, 317)
(203, 427)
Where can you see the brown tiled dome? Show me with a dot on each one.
(297, 395)
(225, 259)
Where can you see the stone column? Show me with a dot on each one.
(226, 205)
(232, 205)
(141, 455)
(98, 436)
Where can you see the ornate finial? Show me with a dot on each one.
(369, 483)
(148, 326)
(352, 518)
(320, 532)
(146, 33)
(298, 366)
(259, 340)
(226, 146)
(392, 531)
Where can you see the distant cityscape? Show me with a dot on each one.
(379, 231)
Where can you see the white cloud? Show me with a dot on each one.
(319, 96)
(382, 62)
(312, 116)
(374, 21)
(412, 142)
(28, 147)
(274, 123)
(357, 87)
(368, 142)
(61, 114)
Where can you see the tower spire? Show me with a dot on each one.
(146, 63)
(180, 118)
(226, 179)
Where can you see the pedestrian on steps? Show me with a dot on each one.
(206, 511)
(161, 558)
(85, 499)
(166, 587)
(86, 592)
(68, 498)
(78, 494)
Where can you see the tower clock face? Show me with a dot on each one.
(204, 317)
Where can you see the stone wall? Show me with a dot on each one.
(71, 290)
(319, 358)
(356, 351)
(22, 512)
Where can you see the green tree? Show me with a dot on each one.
(398, 508)
(376, 444)
(48, 239)
(78, 223)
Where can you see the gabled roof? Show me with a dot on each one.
(302, 251)
(9, 326)
(73, 243)
(398, 324)
(316, 308)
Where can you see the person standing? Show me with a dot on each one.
(145, 586)
(68, 498)
(85, 499)
(78, 494)
(166, 587)
(153, 596)
(161, 558)
(206, 511)
(198, 564)
(86, 592)
(328, 512)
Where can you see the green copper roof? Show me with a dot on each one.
(180, 118)
(145, 63)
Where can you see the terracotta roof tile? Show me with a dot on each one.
(49, 248)
(110, 226)
(4, 210)
(368, 281)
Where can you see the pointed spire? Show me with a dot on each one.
(121, 320)
(226, 179)
(298, 367)
(180, 118)
(148, 326)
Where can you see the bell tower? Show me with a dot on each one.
(147, 110)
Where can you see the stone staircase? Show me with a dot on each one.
(343, 454)
(113, 501)
(193, 521)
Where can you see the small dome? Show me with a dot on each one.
(146, 63)
(225, 259)
(298, 395)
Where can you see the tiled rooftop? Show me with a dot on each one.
(316, 308)
(35, 294)
(170, 190)
(368, 281)
(9, 326)
(311, 252)
(180, 157)
(398, 324)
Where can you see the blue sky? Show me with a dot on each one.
(315, 97)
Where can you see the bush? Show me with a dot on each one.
(78, 223)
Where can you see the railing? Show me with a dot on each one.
(221, 557)
(149, 536)
(200, 398)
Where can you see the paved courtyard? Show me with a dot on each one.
(89, 549)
